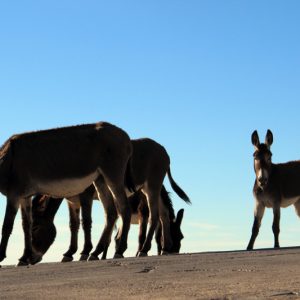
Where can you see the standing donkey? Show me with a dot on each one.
(62, 162)
(276, 186)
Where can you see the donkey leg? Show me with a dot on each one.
(297, 208)
(115, 183)
(165, 228)
(153, 200)
(28, 256)
(110, 218)
(12, 206)
(26, 224)
(122, 205)
(275, 226)
(86, 202)
(142, 232)
(74, 209)
(158, 238)
(258, 215)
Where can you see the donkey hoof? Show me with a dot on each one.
(2, 257)
(67, 259)
(142, 254)
(84, 257)
(117, 256)
(165, 253)
(93, 257)
(22, 263)
(35, 259)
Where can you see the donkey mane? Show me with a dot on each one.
(4, 148)
(31, 135)
(289, 164)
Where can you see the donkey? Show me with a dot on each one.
(276, 186)
(62, 162)
(150, 163)
(44, 230)
(140, 215)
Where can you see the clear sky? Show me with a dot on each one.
(196, 76)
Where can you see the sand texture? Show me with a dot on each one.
(273, 274)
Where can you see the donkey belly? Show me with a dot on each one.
(285, 202)
(66, 187)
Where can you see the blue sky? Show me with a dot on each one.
(196, 76)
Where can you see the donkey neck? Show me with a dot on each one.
(4, 175)
(272, 189)
(283, 183)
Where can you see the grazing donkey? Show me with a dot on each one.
(44, 232)
(62, 162)
(276, 186)
(140, 215)
(150, 163)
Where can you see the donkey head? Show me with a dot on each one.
(43, 236)
(43, 228)
(262, 158)
(176, 233)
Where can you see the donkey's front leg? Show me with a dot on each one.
(28, 255)
(166, 240)
(153, 200)
(258, 215)
(275, 227)
(12, 206)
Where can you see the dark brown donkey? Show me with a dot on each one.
(62, 162)
(44, 232)
(150, 164)
(276, 186)
(140, 215)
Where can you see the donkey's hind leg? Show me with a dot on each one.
(122, 205)
(158, 238)
(86, 202)
(110, 214)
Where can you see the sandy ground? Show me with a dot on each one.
(273, 274)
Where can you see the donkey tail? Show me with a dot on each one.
(177, 189)
(129, 182)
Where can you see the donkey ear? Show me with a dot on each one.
(269, 138)
(179, 217)
(37, 203)
(255, 139)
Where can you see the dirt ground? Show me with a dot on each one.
(273, 274)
